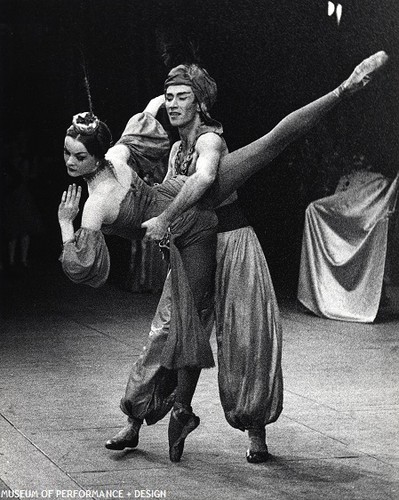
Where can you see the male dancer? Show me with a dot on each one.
(250, 383)
(194, 122)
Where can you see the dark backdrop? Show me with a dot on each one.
(268, 57)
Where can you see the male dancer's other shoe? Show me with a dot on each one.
(257, 452)
(128, 437)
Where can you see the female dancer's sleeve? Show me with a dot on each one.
(146, 140)
(85, 259)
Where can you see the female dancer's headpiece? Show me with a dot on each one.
(93, 133)
(85, 123)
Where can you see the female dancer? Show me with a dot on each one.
(119, 202)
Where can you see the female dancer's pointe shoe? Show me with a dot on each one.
(128, 437)
(363, 73)
(257, 457)
(182, 422)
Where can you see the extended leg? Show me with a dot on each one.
(237, 167)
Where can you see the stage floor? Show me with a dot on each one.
(66, 351)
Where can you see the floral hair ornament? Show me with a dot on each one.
(85, 123)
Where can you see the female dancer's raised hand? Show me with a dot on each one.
(68, 209)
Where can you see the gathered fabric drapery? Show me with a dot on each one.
(344, 249)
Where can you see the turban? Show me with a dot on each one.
(203, 85)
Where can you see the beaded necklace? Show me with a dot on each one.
(183, 162)
(104, 164)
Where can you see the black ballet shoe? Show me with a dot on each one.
(363, 73)
(257, 457)
(182, 422)
(128, 437)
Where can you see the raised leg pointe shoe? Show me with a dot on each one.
(257, 457)
(182, 422)
(128, 437)
(363, 73)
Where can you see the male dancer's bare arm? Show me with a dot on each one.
(208, 150)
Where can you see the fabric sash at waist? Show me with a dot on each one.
(230, 217)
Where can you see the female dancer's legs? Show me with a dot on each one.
(200, 264)
(237, 167)
(199, 261)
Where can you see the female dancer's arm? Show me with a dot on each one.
(85, 257)
(238, 166)
(144, 137)
(93, 212)
(67, 211)
(154, 105)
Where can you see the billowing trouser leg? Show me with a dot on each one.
(150, 388)
(248, 333)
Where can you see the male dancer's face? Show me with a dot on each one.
(181, 105)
